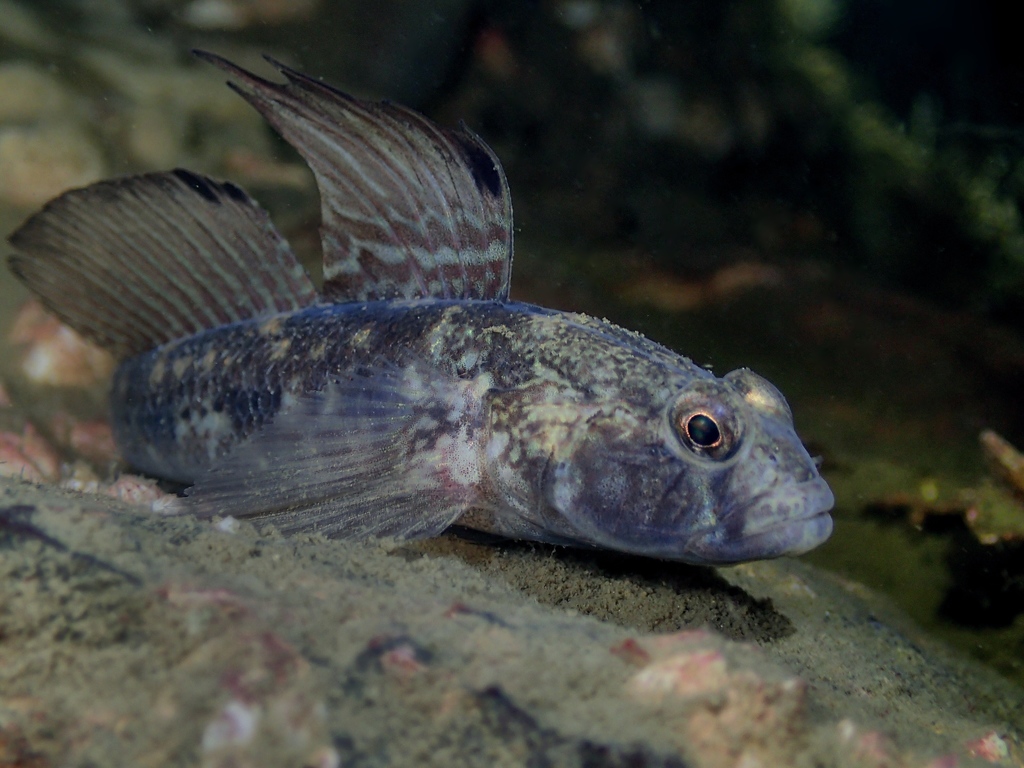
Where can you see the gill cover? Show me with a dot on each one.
(721, 477)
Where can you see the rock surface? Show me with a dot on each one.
(127, 638)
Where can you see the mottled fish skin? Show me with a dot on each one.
(184, 404)
(574, 431)
(408, 394)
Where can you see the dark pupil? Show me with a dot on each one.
(703, 431)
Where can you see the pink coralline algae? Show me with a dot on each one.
(991, 747)
(51, 353)
(29, 456)
(728, 714)
(263, 705)
(682, 675)
(91, 440)
(402, 662)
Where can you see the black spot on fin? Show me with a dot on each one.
(198, 183)
(236, 193)
(371, 455)
(135, 262)
(486, 172)
(409, 209)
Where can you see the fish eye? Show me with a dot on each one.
(706, 422)
(702, 431)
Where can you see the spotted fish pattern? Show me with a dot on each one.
(409, 393)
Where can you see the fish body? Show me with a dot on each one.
(409, 394)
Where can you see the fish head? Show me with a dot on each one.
(718, 476)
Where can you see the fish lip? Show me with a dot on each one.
(815, 498)
(765, 535)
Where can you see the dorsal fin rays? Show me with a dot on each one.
(409, 209)
(135, 262)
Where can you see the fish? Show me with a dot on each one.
(409, 394)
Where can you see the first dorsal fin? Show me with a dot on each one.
(135, 262)
(409, 209)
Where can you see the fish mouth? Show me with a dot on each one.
(788, 520)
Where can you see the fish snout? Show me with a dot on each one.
(789, 519)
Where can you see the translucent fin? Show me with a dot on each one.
(135, 262)
(409, 209)
(384, 452)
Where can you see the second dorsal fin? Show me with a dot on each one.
(409, 209)
(134, 262)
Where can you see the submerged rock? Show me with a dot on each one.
(211, 647)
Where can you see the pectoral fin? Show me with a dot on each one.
(387, 451)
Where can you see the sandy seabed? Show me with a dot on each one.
(132, 639)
